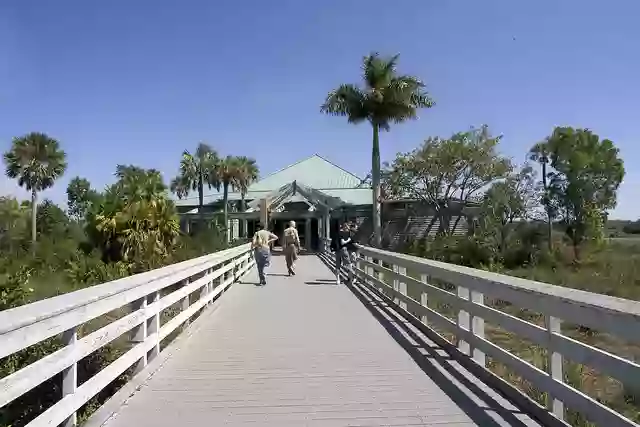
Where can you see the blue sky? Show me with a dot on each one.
(137, 82)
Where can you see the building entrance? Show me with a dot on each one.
(278, 226)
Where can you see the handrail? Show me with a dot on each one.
(140, 295)
(614, 316)
(24, 315)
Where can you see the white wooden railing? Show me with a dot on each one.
(388, 275)
(141, 295)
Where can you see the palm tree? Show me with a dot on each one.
(540, 153)
(196, 171)
(386, 98)
(136, 222)
(228, 171)
(247, 174)
(37, 161)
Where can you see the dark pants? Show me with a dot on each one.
(262, 256)
(343, 259)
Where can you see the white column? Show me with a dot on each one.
(327, 226)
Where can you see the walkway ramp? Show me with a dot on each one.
(302, 351)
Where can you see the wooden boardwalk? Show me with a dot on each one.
(302, 351)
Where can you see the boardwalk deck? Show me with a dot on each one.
(302, 351)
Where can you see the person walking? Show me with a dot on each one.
(339, 244)
(352, 246)
(291, 247)
(262, 250)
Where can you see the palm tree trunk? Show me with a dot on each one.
(548, 209)
(375, 178)
(225, 201)
(201, 202)
(243, 207)
(34, 214)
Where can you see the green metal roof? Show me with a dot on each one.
(315, 172)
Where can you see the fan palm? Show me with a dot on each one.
(247, 174)
(136, 221)
(196, 171)
(37, 161)
(386, 98)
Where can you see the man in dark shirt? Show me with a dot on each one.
(352, 246)
(339, 244)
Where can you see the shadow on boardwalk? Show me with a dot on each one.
(483, 405)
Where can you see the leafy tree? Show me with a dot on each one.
(37, 161)
(196, 171)
(386, 98)
(587, 172)
(14, 225)
(506, 201)
(540, 153)
(247, 174)
(52, 220)
(444, 171)
(80, 196)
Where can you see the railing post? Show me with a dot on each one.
(554, 366)
(399, 286)
(139, 333)
(367, 271)
(463, 322)
(184, 304)
(396, 285)
(70, 375)
(153, 327)
(477, 328)
(379, 276)
(206, 289)
(424, 298)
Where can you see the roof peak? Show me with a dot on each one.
(309, 158)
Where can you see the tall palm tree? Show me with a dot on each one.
(196, 171)
(247, 174)
(228, 171)
(386, 98)
(540, 153)
(37, 161)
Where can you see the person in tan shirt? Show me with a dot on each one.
(262, 250)
(291, 247)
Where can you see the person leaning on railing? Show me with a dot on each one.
(339, 244)
(261, 246)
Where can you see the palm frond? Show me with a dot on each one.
(348, 100)
(36, 160)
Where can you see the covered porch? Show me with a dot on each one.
(316, 213)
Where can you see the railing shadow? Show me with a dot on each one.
(433, 359)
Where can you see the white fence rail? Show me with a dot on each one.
(25, 326)
(385, 273)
